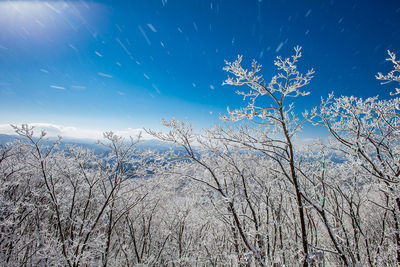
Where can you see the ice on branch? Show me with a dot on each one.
(393, 75)
(286, 83)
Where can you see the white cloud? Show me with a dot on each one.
(54, 130)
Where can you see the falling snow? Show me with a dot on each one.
(144, 35)
(124, 48)
(80, 87)
(171, 45)
(156, 88)
(151, 27)
(279, 47)
(73, 47)
(57, 87)
(104, 75)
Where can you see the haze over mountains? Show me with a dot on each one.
(90, 143)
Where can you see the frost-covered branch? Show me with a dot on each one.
(393, 75)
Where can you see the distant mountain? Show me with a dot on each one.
(92, 144)
(5, 138)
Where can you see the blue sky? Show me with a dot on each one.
(118, 65)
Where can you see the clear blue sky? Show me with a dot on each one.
(128, 64)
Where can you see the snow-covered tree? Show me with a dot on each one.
(393, 75)
(279, 123)
(238, 194)
(366, 135)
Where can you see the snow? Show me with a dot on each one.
(104, 75)
(279, 47)
(57, 87)
(124, 48)
(151, 27)
(144, 35)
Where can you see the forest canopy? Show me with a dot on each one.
(233, 195)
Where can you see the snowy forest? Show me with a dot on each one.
(243, 193)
